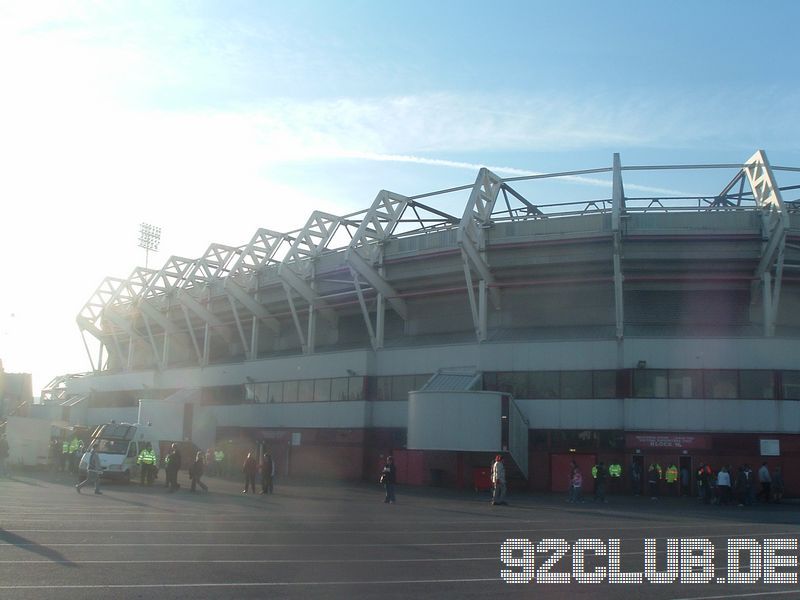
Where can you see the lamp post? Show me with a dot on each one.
(149, 238)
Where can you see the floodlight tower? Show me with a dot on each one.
(149, 238)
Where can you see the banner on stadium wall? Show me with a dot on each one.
(667, 441)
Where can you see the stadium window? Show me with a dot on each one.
(514, 383)
(291, 390)
(275, 392)
(543, 384)
(685, 383)
(339, 389)
(305, 390)
(355, 388)
(576, 384)
(650, 383)
(720, 384)
(604, 384)
(758, 385)
(401, 385)
(383, 388)
(322, 390)
(490, 382)
(791, 385)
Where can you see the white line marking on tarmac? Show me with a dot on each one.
(692, 525)
(244, 584)
(90, 544)
(251, 561)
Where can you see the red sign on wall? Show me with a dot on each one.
(666, 440)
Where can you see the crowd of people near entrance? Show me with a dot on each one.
(725, 486)
(90, 471)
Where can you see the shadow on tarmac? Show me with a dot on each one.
(26, 544)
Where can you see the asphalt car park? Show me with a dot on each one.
(331, 540)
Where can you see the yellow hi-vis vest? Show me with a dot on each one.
(146, 457)
(219, 455)
(615, 470)
(672, 474)
(594, 472)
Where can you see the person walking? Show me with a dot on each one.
(600, 475)
(636, 478)
(652, 481)
(777, 485)
(219, 462)
(196, 472)
(249, 468)
(765, 480)
(723, 486)
(388, 478)
(173, 465)
(91, 462)
(267, 471)
(498, 482)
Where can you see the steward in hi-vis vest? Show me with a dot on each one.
(147, 460)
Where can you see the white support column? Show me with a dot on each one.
(617, 211)
(482, 310)
(206, 344)
(254, 339)
(312, 330)
(380, 321)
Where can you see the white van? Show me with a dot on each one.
(118, 447)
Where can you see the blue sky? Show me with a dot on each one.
(212, 119)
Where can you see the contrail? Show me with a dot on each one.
(455, 164)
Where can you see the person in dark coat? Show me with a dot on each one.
(388, 480)
(173, 465)
(249, 468)
(196, 472)
(267, 471)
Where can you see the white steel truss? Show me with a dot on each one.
(476, 220)
(297, 271)
(774, 224)
(241, 285)
(139, 313)
(90, 320)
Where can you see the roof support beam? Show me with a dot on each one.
(300, 334)
(774, 225)
(364, 255)
(234, 290)
(471, 237)
(201, 358)
(239, 327)
(206, 315)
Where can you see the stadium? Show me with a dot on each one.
(498, 316)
